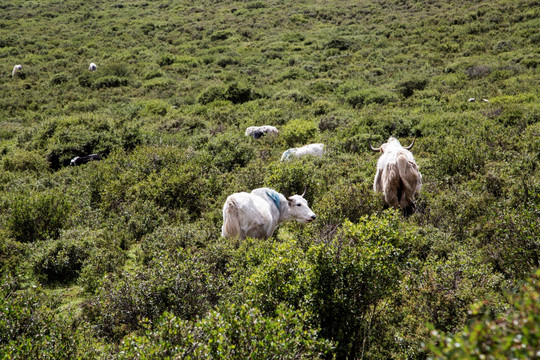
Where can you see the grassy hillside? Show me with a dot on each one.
(122, 258)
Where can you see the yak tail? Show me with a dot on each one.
(231, 225)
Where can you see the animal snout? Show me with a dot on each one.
(313, 217)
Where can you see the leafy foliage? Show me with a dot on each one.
(513, 335)
(125, 253)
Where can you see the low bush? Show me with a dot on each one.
(343, 284)
(244, 332)
(513, 335)
(28, 327)
(212, 93)
(358, 99)
(183, 284)
(36, 216)
(298, 132)
(25, 161)
(409, 86)
(477, 72)
(109, 82)
(59, 261)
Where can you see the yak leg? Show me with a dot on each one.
(391, 197)
(391, 183)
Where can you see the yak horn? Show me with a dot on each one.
(410, 146)
(374, 149)
(304, 193)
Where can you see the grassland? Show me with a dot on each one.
(122, 258)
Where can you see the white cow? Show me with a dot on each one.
(92, 67)
(258, 131)
(16, 69)
(397, 174)
(311, 149)
(259, 213)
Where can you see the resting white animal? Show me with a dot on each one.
(92, 67)
(397, 174)
(258, 214)
(311, 149)
(258, 131)
(16, 69)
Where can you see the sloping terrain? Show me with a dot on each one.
(122, 257)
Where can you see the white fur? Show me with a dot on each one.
(311, 149)
(397, 174)
(92, 67)
(257, 215)
(16, 69)
(265, 129)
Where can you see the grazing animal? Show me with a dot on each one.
(258, 214)
(311, 149)
(259, 131)
(79, 160)
(397, 175)
(16, 69)
(92, 67)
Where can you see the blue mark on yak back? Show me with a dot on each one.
(274, 196)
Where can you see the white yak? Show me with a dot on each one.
(311, 149)
(397, 174)
(258, 214)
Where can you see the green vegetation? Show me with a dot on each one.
(122, 258)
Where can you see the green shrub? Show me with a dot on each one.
(109, 82)
(293, 177)
(338, 43)
(346, 201)
(360, 98)
(256, 5)
(513, 335)
(294, 95)
(220, 35)
(477, 72)
(342, 284)
(212, 93)
(103, 259)
(230, 151)
(58, 79)
(460, 157)
(503, 46)
(85, 80)
(166, 60)
(156, 107)
(152, 74)
(37, 215)
(508, 240)
(244, 332)
(118, 69)
(226, 61)
(183, 284)
(298, 132)
(29, 328)
(60, 261)
(238, 94)
(25, 161)
(170, 239)
(408, 87)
